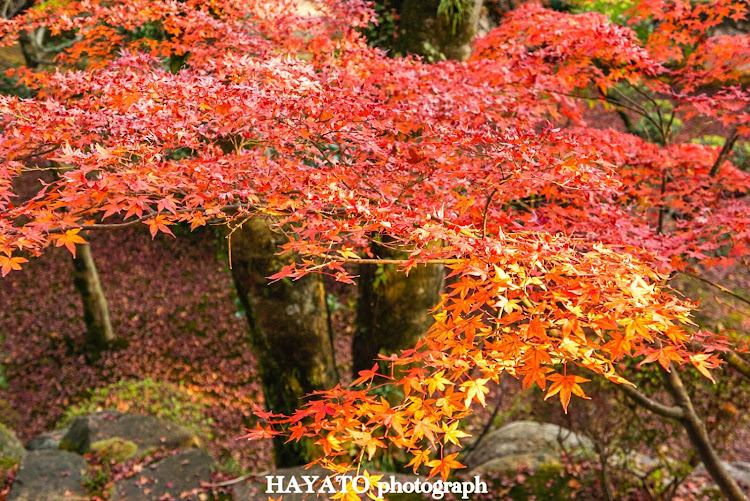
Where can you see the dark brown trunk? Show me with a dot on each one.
(422, 31)
(393, 309)
(27, 49)
(99, 333)
(289, 328)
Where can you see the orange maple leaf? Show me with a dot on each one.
(475, 390)
(703, 362)
(566, 386)
(444, 466)
(418, 457)
(11, 263)
(157, 224)
(69, 239)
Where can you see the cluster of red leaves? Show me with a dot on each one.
(561, 53)
(340, 144)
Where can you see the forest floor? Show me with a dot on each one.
(171, 303)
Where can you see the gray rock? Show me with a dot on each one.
(640, 464)
(177, 477)
(147, 432)
(11, 449)
(49, 475)
(738, 470)
(525, 444)
(49, 440)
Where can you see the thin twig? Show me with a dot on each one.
(718, 286)
(489, 422)
(239, 479)
(486, 210)
(671, 412)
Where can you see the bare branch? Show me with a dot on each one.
(737, 363)
(724, 153)
(718, 286)
(132, 222)
(667, 411)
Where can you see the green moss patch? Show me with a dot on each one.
(115, 449)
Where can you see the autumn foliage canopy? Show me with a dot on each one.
(558, 237)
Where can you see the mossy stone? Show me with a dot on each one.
(11, 449)
(115, 449)
(147, 432)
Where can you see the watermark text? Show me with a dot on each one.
(315, 484)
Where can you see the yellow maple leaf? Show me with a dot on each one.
(452, 433)
(475, 390)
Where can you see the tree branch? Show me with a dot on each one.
(737, 363)
(700, 439)
(342, 259)
(671, 412)
(724, 153)
(718, 286)
(486, 211)
(132, 222)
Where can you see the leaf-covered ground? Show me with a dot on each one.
(171, 302)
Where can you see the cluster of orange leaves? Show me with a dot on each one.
(292, 116)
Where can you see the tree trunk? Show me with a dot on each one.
(99, 333)
(289, 328)
(393, 309)
(684, 412)
(27, 49)
(12, 8)
(698, 435)
(422, 31)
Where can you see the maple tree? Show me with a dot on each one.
(557, 241)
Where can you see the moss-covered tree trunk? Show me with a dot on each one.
(99, 333)
(423, 31)
(289, 328)
(392, 309)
